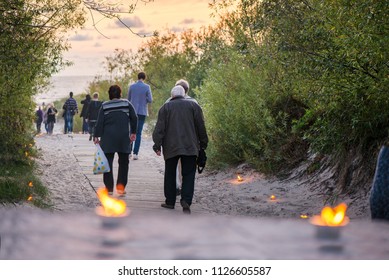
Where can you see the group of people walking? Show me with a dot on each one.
(117, 125)
(90, 109)
(89, 113)
(179, 134)
(46, 115)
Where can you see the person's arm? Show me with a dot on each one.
(200, 127)
(159, 131)
(129, 94)
(87, 111)
(99, 128)
(65, 105)
(149, 96)
(75, 103)
(133, 118)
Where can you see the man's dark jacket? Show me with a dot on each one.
(180, 128)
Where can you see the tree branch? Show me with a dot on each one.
(112, 11)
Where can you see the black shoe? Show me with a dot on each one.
(90, 138)
(178, 192)
(164, 205)
(185, 207)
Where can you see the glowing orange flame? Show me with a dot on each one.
(29, 198)
(30, 184)
(112, 207)
(332, 216)
(240, 179)
(272, 197)
(26, 154)
(304, 216)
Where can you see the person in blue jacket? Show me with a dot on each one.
(140, 95)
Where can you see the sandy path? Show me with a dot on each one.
(60, 172)
(215, 192)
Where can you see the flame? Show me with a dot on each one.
(304, 216)
(30, 184)
(26, 154)
(240, 179)
(332, 216)
(112, 207)
(272, 197)
(29, 198)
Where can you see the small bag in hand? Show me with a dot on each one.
(201, 160)
(101, 164)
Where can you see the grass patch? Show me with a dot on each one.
(18, 184)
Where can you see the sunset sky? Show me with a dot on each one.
(89, 47)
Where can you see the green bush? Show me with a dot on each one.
(337, 55)
(239, 120)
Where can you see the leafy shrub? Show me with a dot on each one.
(240, 122)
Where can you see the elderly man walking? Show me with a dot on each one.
(179, 133)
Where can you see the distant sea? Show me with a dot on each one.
(61, 86)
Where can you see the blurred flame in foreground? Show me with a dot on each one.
(112, 207)
(332, 216)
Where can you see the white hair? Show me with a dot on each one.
(177, 91)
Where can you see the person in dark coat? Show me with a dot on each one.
(116, 126)
(85, 104)
(51, 112)
(38, 119)
(185, 85)
(92, 113)
(379, 194)
(179, 133)
(70, 109)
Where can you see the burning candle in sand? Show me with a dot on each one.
(304, 216)
(30, 184)
(330, 221)
(239, 178)
(29, 198)
(112, 209)
(273, 197)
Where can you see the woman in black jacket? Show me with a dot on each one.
(85, 104)
(51, 112)
(116, 126)
(92, 113)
